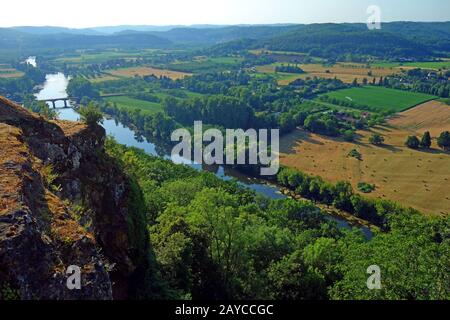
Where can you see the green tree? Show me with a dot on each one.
(426, 140)
(349, 135)
(412, 142)
(291, 279)
(412, 257)
(376, 139)
(80, 87)
(444, 140)
(343, 192)
(90, 114)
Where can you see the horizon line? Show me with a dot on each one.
(216, 25)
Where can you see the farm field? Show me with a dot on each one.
(413, 178)
(203, 64)
(383, 99)
(146, 71)
(8, 72)
(102, 78)
(433, 116)
(131, 103)
(346, 72)
(99, 57)
(116, 74)
(432, 65)
(286, 56)
(283, 78)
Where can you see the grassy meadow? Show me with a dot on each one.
(131, 103)
(380, 98)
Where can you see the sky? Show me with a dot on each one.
(90, 13)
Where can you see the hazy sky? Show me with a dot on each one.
(88, 13)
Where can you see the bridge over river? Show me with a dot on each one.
(64, 99)
(67, 99)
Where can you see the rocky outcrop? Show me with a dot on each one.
(63, 202)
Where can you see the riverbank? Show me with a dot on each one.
(332, 211)
(129, 135)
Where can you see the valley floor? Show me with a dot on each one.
(415, 178)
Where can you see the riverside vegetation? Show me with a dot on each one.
(166, 231)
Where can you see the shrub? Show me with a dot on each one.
(366, 187)
(355, 154)
(376, 139)
(90, 114)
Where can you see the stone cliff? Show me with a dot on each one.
(64, 202)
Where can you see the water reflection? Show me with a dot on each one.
(56, 85)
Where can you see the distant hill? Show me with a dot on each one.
(108, 30)
(436, 35)
(325, 40)
(211, 36)
(138, 28)
(396, 40)
(408, 40)
(55, 30)
(13, 39)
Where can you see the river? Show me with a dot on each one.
(55, 87)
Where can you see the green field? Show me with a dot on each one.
(131, 103)
(381, 98)
(102, 56)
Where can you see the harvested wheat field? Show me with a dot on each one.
(146, 71)
(415, 178)
(347, 72)
(7, 72)
(433, 116)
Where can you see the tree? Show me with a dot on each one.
(376, 139)
(426, 140)
(90, 114)
(291, 279)
(414, 265)
(412, 142)
(444, 140)
(80, 87)
(343, 192)
(349, 135)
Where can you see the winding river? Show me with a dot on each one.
(55, 87)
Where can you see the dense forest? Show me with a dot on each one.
(212, 239)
